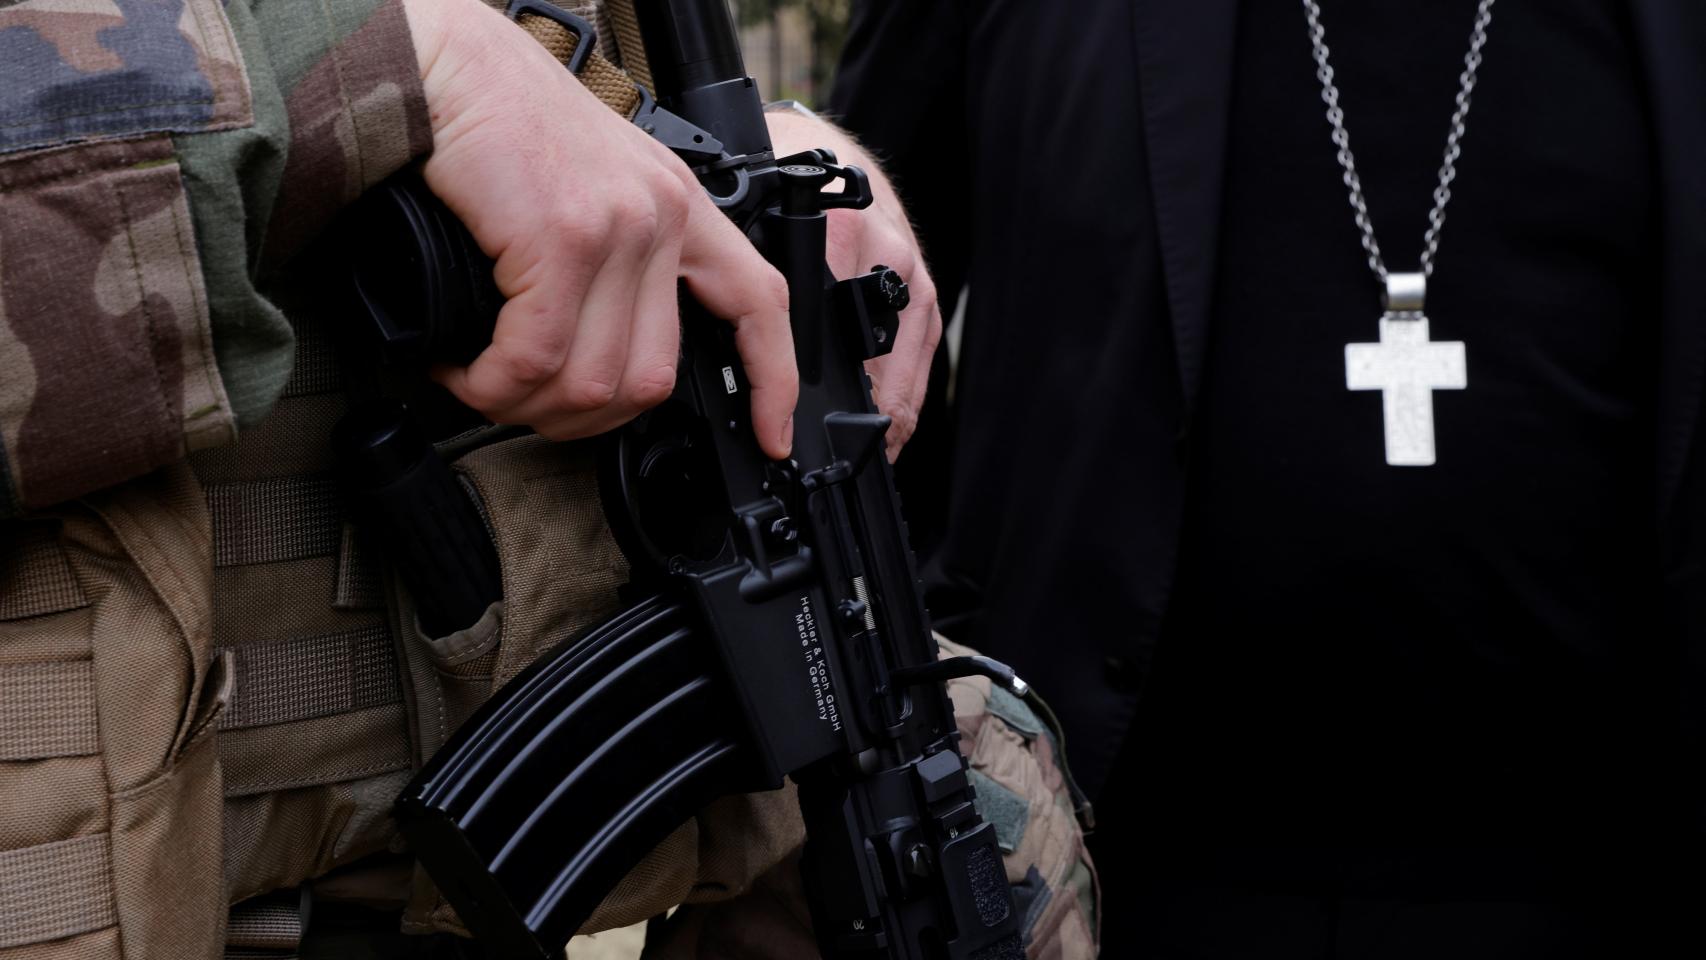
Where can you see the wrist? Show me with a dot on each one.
(427, 29)
(452, 36)
(793, 131)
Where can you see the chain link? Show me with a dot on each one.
(1453, 140)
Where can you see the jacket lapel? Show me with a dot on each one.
(1672, 39)
(1184, 51)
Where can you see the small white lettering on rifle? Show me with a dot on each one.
(729, 379)
(817, 667)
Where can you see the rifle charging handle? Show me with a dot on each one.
(803, 183)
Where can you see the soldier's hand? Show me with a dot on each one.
(591, 223)
(858, 241)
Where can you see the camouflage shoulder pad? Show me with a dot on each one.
(1025, 791)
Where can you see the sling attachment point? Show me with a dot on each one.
(582, 37)
(572, 40)
(954, 667)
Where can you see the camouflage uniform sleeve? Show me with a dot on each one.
(1023, 788)
(158, 160)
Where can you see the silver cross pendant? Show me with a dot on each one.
(1407, 367)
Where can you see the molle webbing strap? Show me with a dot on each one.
(312, 677)
(35, 578)
(359, 586)
(47, 710)
(265, 928)
(316, 367)
(56, 890)
(268, 521)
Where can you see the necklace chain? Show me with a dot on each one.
(1453, 140)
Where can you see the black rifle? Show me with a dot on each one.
(781, 630)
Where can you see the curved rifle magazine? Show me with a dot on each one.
(546, 797)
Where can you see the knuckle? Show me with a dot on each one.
(903, 420)
(526, 365)
(774, 293)
(635, 217)
(923, 296)
(903, 260)
(645, 227)
(651, 386)
(673, 199)
(573, 232)
(589, 392)
(678, 169)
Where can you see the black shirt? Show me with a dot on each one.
(1362, 655)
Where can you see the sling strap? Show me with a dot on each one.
(617, 63)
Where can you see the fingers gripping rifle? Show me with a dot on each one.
(785, 632)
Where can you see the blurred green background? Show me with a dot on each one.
(791, 45)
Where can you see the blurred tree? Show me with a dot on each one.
(827, 23)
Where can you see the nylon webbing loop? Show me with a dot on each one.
(270, 521)
(316, 363)
(35, 577)
(359, 586)
(56, 890)
(601, 74)
(47, 710)
(629, 46)
(265, 928)
(606, 80)
(310, 677)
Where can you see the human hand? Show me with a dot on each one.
(861, 239)
(590, 223)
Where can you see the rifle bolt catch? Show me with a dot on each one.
(918, 861)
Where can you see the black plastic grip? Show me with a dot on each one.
(408, 501)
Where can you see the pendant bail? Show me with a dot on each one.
(1405, 292)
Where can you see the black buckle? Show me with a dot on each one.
(586, 37)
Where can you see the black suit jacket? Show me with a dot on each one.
(1064, 162)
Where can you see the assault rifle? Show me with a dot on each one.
(780, 630)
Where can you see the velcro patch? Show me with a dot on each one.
(1008, 811)
(1017, 713)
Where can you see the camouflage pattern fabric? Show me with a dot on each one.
(158, 159)
(1016, 769)
(105, 364)
(101, 69)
